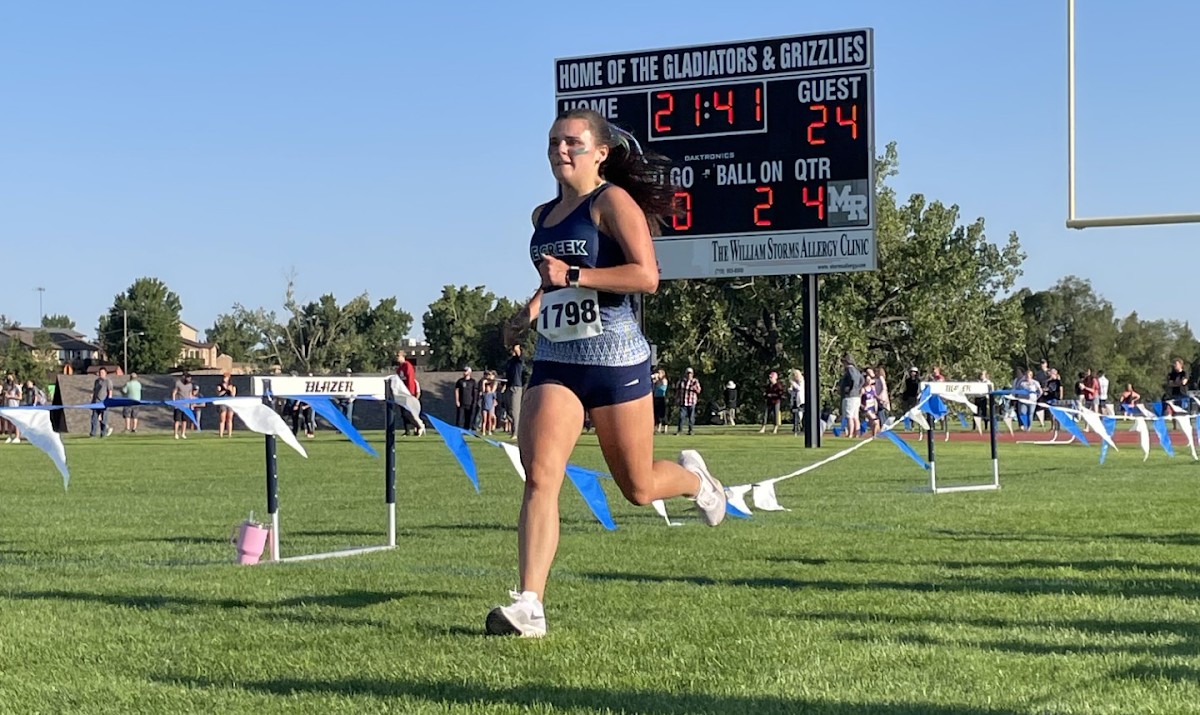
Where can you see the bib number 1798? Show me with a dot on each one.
(569, 314)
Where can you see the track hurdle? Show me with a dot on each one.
(963, 389)
(372, 388)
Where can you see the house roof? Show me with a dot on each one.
(61, 338)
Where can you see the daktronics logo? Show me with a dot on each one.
(849, 203)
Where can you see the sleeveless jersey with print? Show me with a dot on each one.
(577, 241)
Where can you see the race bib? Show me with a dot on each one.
(569, 314)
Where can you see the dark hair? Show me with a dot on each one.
(644, 175)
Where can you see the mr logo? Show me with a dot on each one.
(848, 203)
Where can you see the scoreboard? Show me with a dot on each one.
(772, 145)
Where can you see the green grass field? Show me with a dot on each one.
(1076, 588)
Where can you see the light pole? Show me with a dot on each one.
(125, 339)
(41, 313)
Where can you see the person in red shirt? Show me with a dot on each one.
(408, 375)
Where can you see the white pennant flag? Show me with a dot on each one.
(661, 507)
(35, 426)
(737, 497)
(1185, 423)
(764, 497)
(919, 418)
(514, 456)
(404, 398)
(961, 399)
(1094, 422)
(1140, 425)
(262, 419)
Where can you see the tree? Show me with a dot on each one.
(58, 321)
(463, 327)
(321, 336)
(152, 311)
(1070, 327)
(234, 336)
(36, 363)
(381, 330)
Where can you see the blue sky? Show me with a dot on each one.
(394, 148)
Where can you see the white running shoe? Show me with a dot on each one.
(108, 432)
(710, 500)
(16, 440)
(525, 617)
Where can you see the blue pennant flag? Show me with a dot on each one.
(1068, 423)
(1110, 424)
(453, 437)
(906, 448)
(936, 407)
(1164, 437)
(907, 422)
(732, 510)
(182, 406)
(1158, 408)
(588, 484)
(962, 417)
(324, 407)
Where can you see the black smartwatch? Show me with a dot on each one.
(573, 276)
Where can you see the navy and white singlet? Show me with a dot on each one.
(578, 241)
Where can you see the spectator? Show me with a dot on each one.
(11, 397)
(850, 388)
(182, 390)
(731, 401)
(1091, 391)
(514, 377)
(796, 400)
(487, 401)
(225, 388)
(102, 389)
(773, 394)
(687, 393)
(1129, 398)
(302, 416)
(464, 399)
(1043, 373)
(133, 390)
(981, 401)
(661, 386)
(1177, 380)
(197, 408)
(1102, 382)
(870, 402)
(1052, 394)
(882, 395)
(408, 377)
(912, 390)
(1029, 390)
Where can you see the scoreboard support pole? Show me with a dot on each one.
(812, 368)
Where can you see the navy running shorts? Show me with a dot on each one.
(595, 385)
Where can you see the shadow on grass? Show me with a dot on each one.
(555, 697)
(345, 599)
(1081, 565)
(181, 540)
(1176, 673)
(357, 533)
(1186, 635)
(1176, 539)
(1175, 588)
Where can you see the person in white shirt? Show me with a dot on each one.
(1104, 408)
